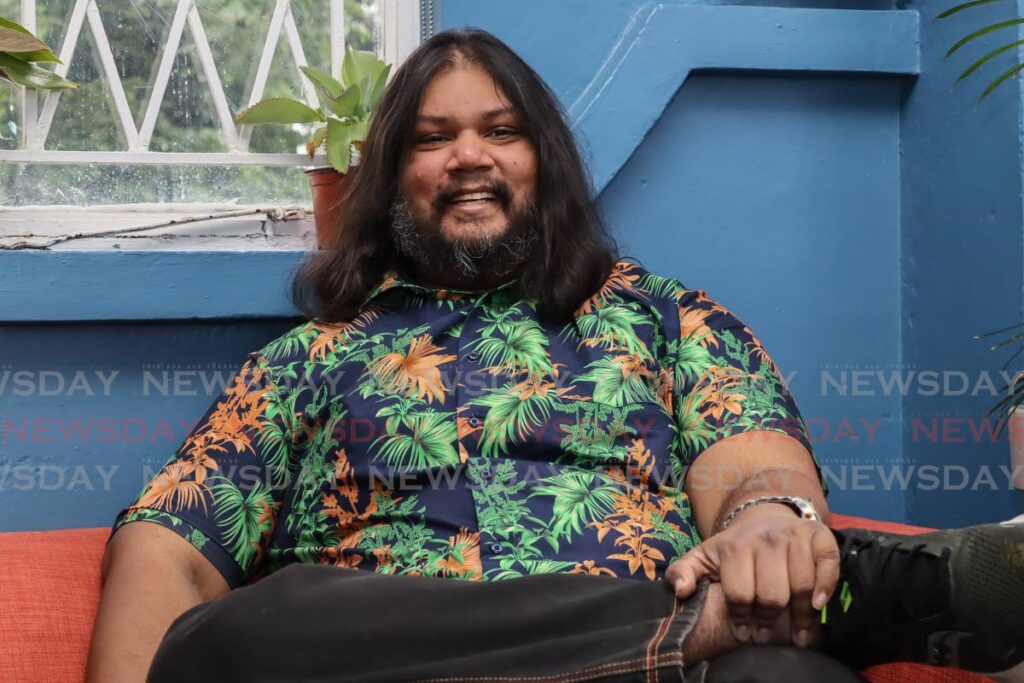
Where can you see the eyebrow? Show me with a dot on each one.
(487, 116)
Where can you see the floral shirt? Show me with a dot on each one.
(454, 434)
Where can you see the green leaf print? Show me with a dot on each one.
(242, 517)
(514, 347)
(511, 417)
(580, 497)
(419, 441)
(615, 386)
(615, 328)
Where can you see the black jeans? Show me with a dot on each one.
(317, 623)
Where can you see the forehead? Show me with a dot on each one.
(463, 91)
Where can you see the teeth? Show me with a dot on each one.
(473, 196)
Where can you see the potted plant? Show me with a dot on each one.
(18, 50)
(344, 117)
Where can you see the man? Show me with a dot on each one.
(485, 392)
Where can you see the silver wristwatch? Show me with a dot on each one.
(803, 507)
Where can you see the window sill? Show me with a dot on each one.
(157, 227)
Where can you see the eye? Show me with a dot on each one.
(430, 138)
(503, 132)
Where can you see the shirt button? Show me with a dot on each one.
(474, 356)
(474, 421)
(485, 474)
(495, 548)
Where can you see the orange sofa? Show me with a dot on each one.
(50, 585)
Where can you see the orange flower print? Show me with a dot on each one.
(590, 567)
(718, 398)
(664, 384)
(621, 280)
(467, 545)
(173, 489)
(758, 351)
(692, 325)
(416, 373)
(640, 555)
(331, 336)
(233, 423)
(349, 519)
(234, 420)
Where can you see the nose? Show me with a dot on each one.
(469, 153)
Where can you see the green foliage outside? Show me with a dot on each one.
(86, 119)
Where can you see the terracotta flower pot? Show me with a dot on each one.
(329, 188)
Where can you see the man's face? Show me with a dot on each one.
(470, 171)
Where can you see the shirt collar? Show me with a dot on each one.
(392, 280)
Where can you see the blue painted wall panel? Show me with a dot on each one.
(142, 285)
(74, 444)
(736, 190)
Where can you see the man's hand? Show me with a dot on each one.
(767, 560)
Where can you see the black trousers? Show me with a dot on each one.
(316, 623)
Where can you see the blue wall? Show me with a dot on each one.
(962, 260)
(101, 406)
(805, 164)
(740, 180)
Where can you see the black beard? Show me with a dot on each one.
(423, 245)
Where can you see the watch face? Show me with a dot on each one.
(806, 508)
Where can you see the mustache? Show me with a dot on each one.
(498, 188)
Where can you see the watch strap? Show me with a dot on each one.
(803, 507)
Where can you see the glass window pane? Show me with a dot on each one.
(137, 30)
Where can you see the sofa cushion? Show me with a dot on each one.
(49, 588)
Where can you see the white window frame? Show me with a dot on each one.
(399, 35)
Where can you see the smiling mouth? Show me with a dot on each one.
(473, 199)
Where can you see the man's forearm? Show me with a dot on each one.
(746, 466)
(769, 482)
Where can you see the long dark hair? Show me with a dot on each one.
(574, 253)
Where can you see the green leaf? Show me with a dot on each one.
(1015, 338)
(359, 65)
(981, 62)
(339, 145)
(967, 5)
(347, 104)
(999, 81)
(359, 130)
(17, 39)
(366, 88)
(378, 87)
(1015, 326)
(38, 56)
(7, 23)
(278, 110)
(981, 32)
(330, 85)
(31, 75)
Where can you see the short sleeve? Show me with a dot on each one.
(724, 381)
(222, 489)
